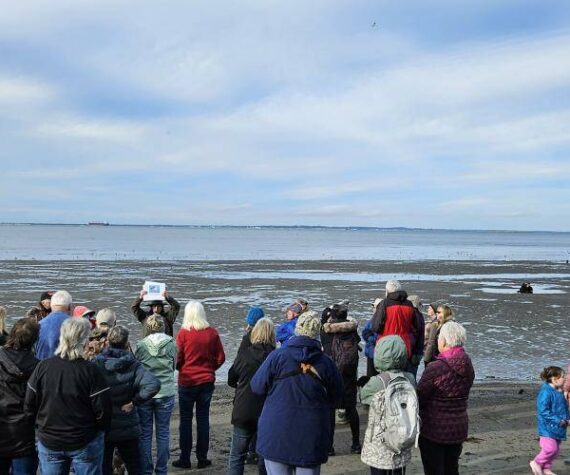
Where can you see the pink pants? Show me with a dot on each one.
(549, 451)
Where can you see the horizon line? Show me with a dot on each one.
(279, 226)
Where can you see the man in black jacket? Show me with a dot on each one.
(70, 401)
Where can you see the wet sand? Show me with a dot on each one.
(502, 435)
(510, 335)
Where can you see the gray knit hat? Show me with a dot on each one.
(309, 324)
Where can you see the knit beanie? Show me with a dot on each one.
(253, 315)
(309, 324)
(393, 286)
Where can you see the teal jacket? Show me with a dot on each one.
(157, 352)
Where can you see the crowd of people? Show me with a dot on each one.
(80, 395)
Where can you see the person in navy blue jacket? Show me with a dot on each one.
(553, 418)
(301, 385)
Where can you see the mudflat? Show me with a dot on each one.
(502, 434)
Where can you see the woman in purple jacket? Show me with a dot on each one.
(443, 392)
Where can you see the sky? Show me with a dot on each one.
(423, 113)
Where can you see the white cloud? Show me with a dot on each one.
(21, 91)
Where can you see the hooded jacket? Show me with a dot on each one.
(443, 392)
(551, 408)
(390, 355)
(157, 352)
(129, 382)
(296, 401)
(286, 330)
(344, 330)
(18, 437)
(396, 315)
(247, 405)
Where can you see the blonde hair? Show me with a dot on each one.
(2, 319)
(447, 315)
(73, 337)
(263, 332)
(155, 323)
(194, 316)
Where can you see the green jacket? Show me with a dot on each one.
(157, 352)
(391, 355)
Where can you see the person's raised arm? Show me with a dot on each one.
(136, 307)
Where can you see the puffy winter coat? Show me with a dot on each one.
(286, 330)
(391, 355)
(129, 382)
(551, 408)
(395, 315)
(18, 437)
(247, 405)
(294, 427)
(370, 338)
(443, 392)
(345, 330)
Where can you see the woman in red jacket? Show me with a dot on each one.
(200, 354)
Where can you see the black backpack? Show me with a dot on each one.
(344, 349)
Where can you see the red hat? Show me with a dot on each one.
(82, 311)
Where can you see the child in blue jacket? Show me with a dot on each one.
(553, 418)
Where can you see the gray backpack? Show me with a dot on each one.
(401, 412)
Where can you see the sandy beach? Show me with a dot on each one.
(502, 434)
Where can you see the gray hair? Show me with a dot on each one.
(391, 286)
(118, 337)
(452, 334)
(62, 298)
(73, 337)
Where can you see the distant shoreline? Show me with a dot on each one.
(278, 226)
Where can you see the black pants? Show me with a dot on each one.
(370, 369)
(5, 466)
(440, 459)
(353, 421)
(396, 471)
(129, 452)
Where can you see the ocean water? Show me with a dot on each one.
(79, 242)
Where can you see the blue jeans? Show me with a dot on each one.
(25, 465)
(241, 438)
(201, 395)
(85, 461)
(20, 466)
(159, 410)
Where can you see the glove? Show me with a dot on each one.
(362, 381)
